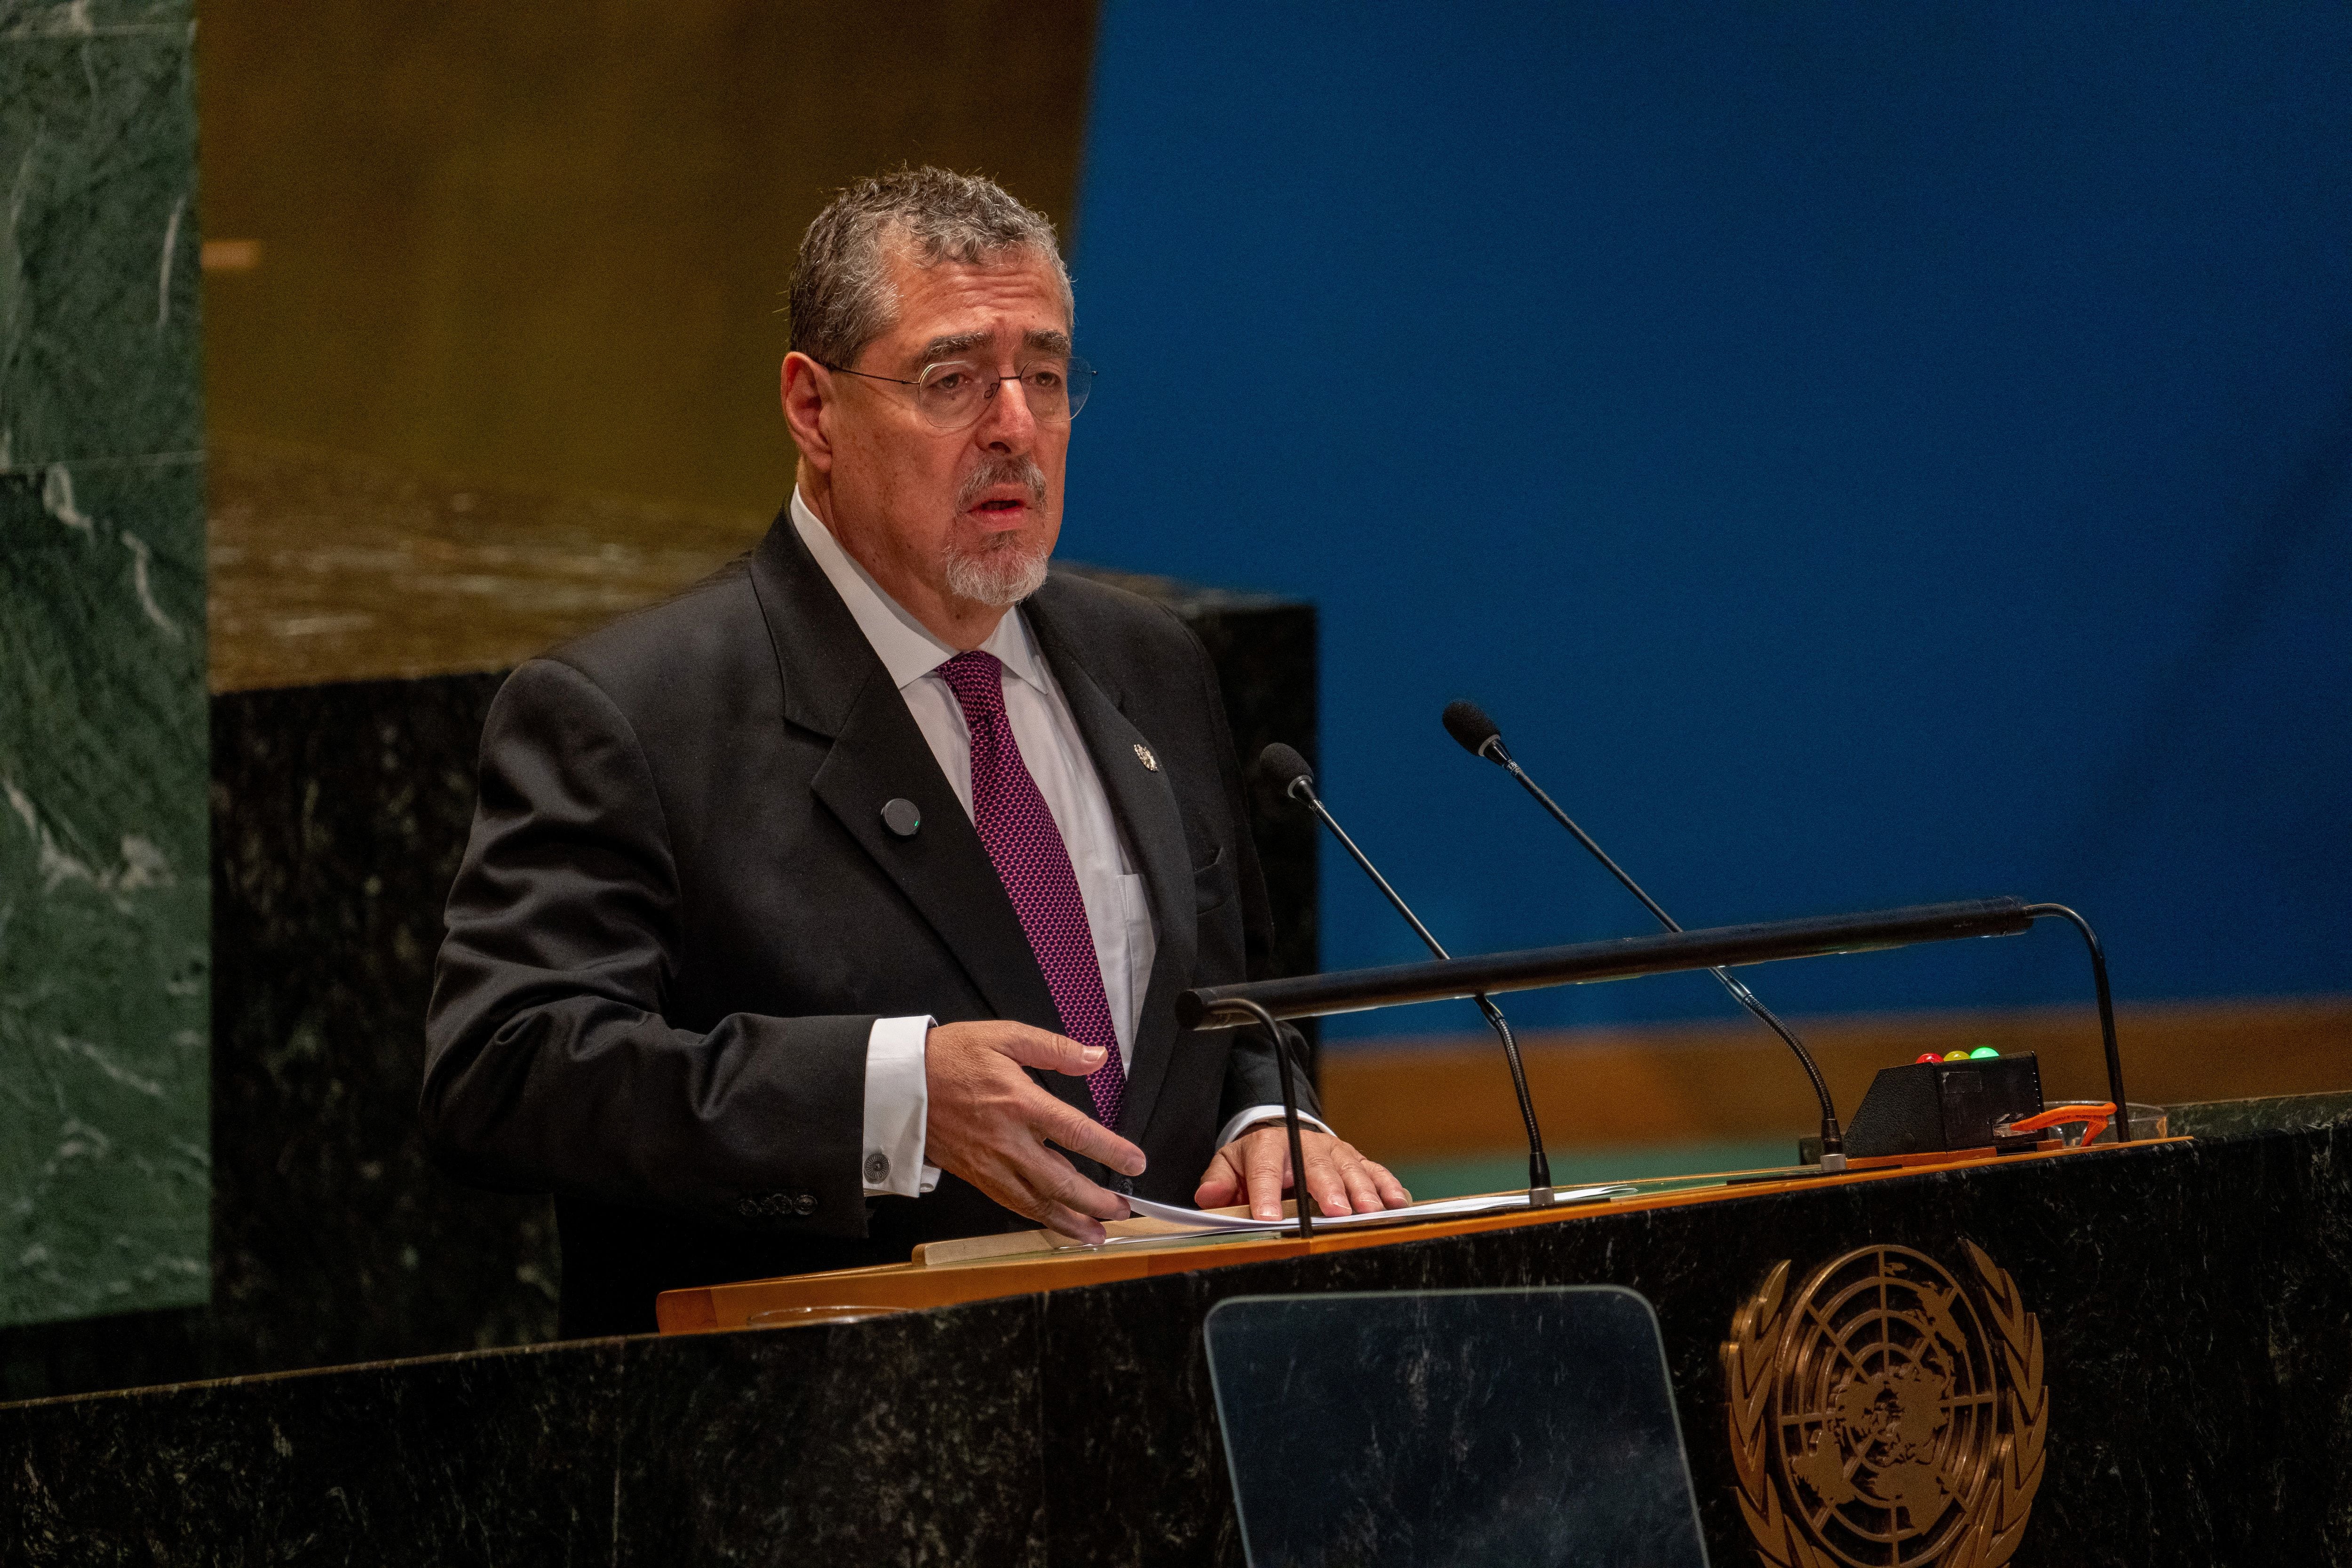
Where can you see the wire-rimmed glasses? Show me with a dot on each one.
(955, 393)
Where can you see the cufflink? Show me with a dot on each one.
(901, 818)
(877, 1168)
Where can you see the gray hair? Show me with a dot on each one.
(841, 297)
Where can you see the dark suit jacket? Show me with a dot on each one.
(680, 914)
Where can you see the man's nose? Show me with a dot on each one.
(1007, 425)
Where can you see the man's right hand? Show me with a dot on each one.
(989, 1123)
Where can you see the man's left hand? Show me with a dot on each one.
(1258, 1163)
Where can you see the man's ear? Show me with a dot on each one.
(808, 390)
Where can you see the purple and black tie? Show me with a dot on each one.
(1033, 863)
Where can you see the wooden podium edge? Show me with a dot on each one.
(911, 1286)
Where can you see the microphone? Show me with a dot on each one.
(1284, 768)
(1482, 737)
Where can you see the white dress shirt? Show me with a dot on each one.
(1119, 911)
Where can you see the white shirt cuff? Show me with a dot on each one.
(898, 1109)
(1257, 1114)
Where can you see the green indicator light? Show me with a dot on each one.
(1984, 1051)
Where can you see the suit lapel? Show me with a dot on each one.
(1145, 804)
(943, 869)
(836, 686)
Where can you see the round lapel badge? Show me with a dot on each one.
(901, 818)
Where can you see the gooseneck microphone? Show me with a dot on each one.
(1284, 768)
(1482, 737)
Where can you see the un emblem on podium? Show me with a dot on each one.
(1887, 1414)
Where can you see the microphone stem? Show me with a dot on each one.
(1539, 1163)
(2107, 1012)
(1583, 837)
(1833, 1141)
(1281, 1035)
(1315, 804)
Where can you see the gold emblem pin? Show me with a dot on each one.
(1143, 754)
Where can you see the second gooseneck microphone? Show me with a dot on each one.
(1284, 768)
(1482, 737)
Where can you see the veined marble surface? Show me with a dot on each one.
(326, 567)
(105, 1177)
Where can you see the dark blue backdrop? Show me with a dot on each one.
(1863, 455)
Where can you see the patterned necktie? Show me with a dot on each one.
(1033, 863)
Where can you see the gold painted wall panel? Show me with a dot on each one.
(550, 246)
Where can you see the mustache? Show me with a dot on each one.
(1007, 471)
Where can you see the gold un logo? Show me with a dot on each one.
(1886, 1415)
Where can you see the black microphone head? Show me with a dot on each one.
(1282, 767)
(1480, 736)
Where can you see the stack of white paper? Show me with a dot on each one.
(1444, 1208)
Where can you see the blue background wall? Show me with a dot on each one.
(1862, 455)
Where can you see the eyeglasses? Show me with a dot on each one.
(955, 393)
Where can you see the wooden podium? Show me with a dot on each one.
(944, 1274)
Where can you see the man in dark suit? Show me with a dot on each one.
(838, 904)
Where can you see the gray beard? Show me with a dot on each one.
(1002, 576)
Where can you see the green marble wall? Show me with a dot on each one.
(104, 880)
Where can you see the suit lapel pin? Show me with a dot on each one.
(1143, 754)
(901, 818)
